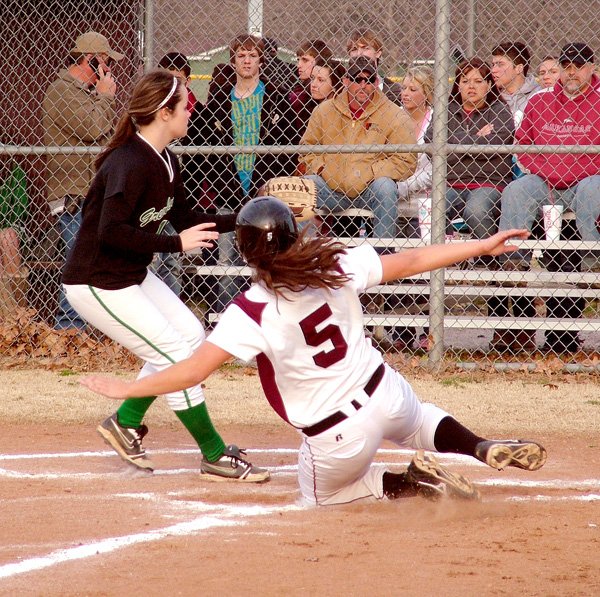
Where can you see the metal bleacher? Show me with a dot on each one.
(465, 286)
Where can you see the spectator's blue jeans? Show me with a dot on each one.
(66, 317)
(523, 198)
(229, 285)
(381, 197)
(478, 208)
(167, 266)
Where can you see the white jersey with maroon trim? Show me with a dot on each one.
(312, 354)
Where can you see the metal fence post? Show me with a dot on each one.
(255, 17)
(438, 190)
(471, 20)
(148, 35)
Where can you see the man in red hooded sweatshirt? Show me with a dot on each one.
(568, 114)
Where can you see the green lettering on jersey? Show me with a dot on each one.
(162, 226)
(151, 215)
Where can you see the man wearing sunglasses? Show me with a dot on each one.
(78, 110)
(364, 42)
(360, 115)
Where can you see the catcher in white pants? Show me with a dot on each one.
(136, 192)
(302, 320)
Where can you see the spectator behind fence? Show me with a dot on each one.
(326, 80)
(360, 115)
(477, 116)
(278, 72)
(223, 75)
(417, 97)
(179, 65)
(167, 266)
(244, 112)
(364, 42)
(548, 72)
(14, 202)
(309, 53)
(568, 114)
(78, 110)
(510, 69)
(192, 171)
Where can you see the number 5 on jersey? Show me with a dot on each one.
(331, 332)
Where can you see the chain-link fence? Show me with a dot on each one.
(437, 122)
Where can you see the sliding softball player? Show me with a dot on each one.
(302, 320)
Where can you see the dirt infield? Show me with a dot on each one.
(76, 522)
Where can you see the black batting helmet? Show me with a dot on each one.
(264, 227)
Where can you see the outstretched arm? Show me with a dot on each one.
(416, 261)
(180, 376)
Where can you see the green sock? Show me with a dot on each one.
(132, 411)
(197, 421)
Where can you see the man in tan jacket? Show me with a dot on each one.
(78, 110)
(360, 115)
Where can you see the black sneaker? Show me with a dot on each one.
(520, 453)
(434, 481)
(127, 442)
(232, 467)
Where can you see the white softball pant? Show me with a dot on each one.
(150, 321)
(336, 466)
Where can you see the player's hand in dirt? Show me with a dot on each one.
(198, 236)
(111, 387)
(500, 243)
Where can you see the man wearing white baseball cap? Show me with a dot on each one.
(78, 110)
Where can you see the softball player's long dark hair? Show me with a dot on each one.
(155, 90)
(311, 262)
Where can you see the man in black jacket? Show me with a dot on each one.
(280, 73)
(244, 111)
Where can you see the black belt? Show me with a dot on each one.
(339, 416)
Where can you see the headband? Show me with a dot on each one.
(168, 96)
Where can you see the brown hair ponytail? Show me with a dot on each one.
(311, 262)
(155, 90)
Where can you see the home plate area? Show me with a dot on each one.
(68, 517)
